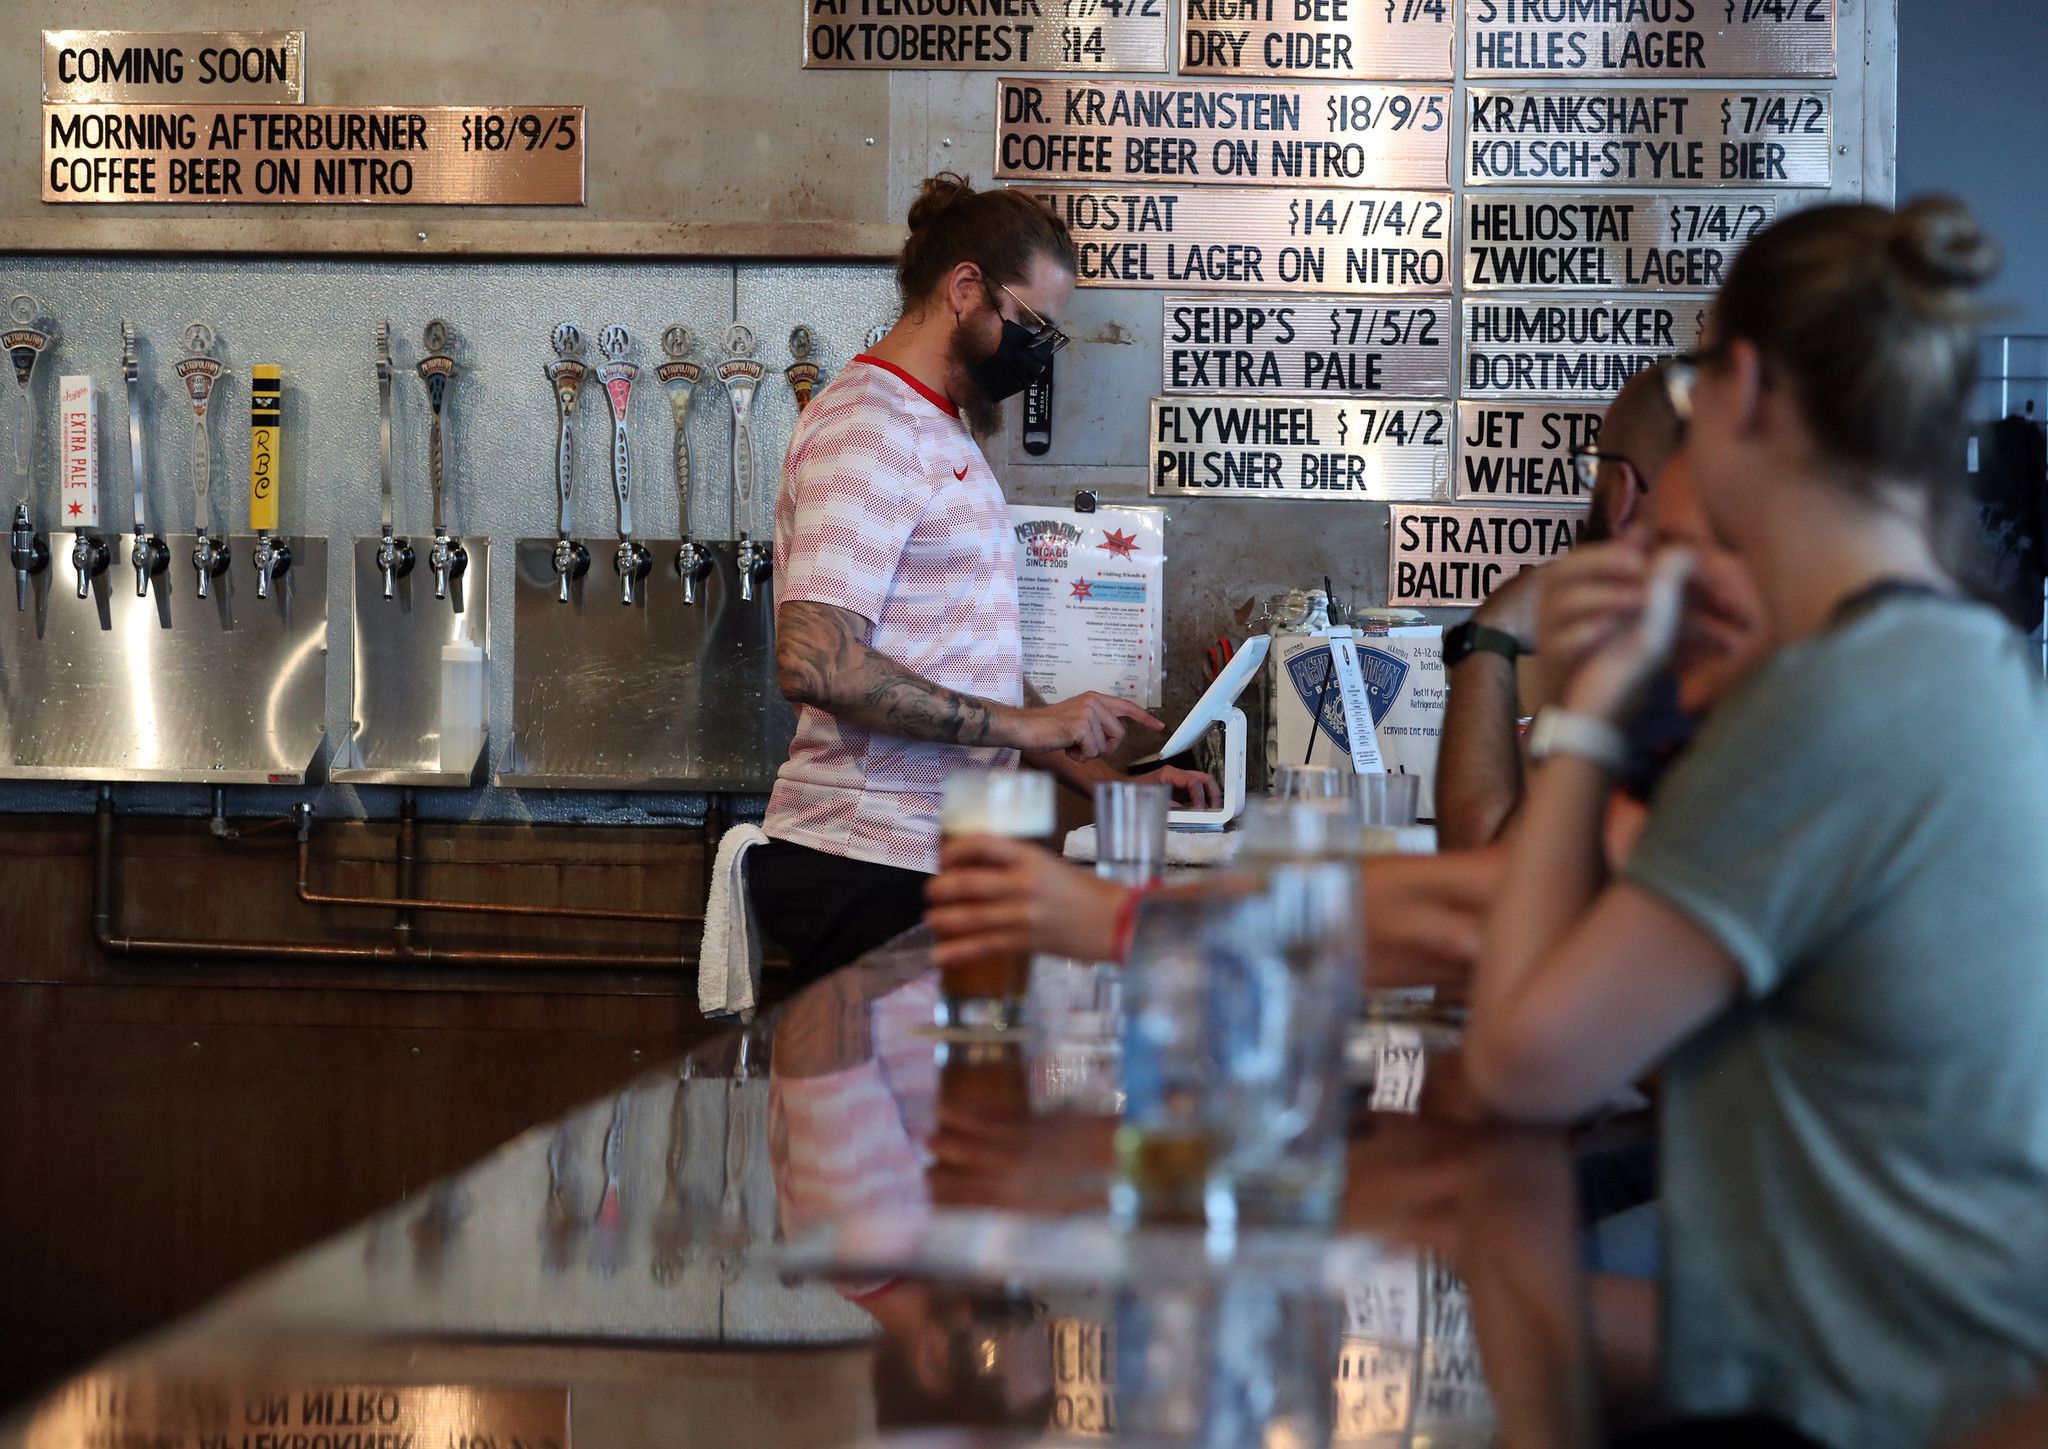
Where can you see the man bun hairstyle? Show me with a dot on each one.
(1001, 231)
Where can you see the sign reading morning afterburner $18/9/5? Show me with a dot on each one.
(1216, 239)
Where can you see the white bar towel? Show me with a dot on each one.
(729, 962)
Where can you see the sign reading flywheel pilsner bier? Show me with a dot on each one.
(1300, 448)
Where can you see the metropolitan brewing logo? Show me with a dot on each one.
(1048, 542)
(1314, 678)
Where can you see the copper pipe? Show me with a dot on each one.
(406, 904)
(105, 937)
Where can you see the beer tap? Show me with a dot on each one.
(151, 555)
(449, 558)
(89, 556)
(199, 370)
(680, 376)
(616, 374)
(266, 474)
(566, 373)
(394, 555)
(742, 375)
(801, 372)
(25, 342)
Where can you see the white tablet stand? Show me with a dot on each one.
(1218, 705)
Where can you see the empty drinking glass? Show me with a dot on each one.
(1311, 782)
(1389, 800)
(1130, 830)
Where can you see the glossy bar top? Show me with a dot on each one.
(838, 1226)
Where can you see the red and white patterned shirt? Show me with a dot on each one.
(889, 510)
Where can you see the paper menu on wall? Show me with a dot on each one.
(1091, 595)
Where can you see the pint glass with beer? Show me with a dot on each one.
(1018, 804)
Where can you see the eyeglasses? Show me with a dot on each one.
(1682, 376)
(1586, 463)
(1047, 336)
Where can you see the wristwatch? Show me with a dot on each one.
(1473, 637)
(1561, 732)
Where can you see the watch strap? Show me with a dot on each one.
(1473, 637)
(1562, 732)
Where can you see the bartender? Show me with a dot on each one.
(897, 631)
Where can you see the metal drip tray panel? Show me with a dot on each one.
(225, 690)
(656, 695)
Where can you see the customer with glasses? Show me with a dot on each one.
(1828, 935)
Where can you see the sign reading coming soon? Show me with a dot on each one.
(1697, 39)
(1309, 346)
(172, 65)
(1211, 239)
(1680, 243)
(1644, 138)
(1085, 130)
(1300, 448)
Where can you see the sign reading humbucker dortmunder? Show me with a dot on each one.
(1049, 35)
(174, 65)
(1509, 452)
(1453, 557)
(1090, 130)
(419, 156)
(1318, 39)
(1309, 346)
(1696, 39)
(1649, 138)
(1213, 239)
(1571, 347)
(1680, 243)
(1300, 448)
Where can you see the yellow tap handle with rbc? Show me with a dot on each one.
(266, 446)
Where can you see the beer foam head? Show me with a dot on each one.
(1016, 803)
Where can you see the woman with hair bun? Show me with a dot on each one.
(1833, 934)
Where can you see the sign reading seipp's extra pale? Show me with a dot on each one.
(1300, 448)
(1453, 556)
(1214, 239)
(419, 156)
(173, 65)
(1696, 39)
(1309, 346)
(1318, 39)
(1680, 243)
(1043, 35)
(1649, 138)
(1514, 452)
(1231, 134)
(1571, 347)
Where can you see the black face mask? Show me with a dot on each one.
(1016, 363)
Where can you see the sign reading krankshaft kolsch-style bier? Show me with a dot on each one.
(1300, 448)
(1213, 239)
(1775, 138)
(1037, 35)
(1222, 133)
(290, 155)
(1309, 346)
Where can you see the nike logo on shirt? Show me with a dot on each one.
(959, 475)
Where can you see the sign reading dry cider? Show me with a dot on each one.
(1643, 138)
(1526, 347)
(421, 155)
(1680, 243)
(1453, 557)
(173, 65)
(1309, 346)
(1318, 39)
(1300, 448)
(1697, 39)
(1046, 35)
(1089, 130)
(1211, 239)
(1508, 452)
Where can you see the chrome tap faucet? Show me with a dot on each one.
(27, 552)
(449, 558)
(567, 373)
(394, 554)
(89, 556)
(199, 370)
(273, 558)
(150, 555)
(25, 343)
(615, 374)
(680, 376)
(742, 374)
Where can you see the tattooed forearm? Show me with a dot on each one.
(822, 659)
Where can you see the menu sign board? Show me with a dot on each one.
(1318, 39)
(1508, 452)
(1044, 35)
(1650, 138)
(1697, 39)
(1527, 347)
(1300, 448)
(1453, 557)
(1309, 346)
(1089, 130)
(1211, 239)
(1680, 243)
(419, 155)
(173, 65)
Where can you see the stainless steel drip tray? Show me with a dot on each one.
(658, 694)
(226, 690)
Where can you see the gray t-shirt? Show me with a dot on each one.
(1855, 1155)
